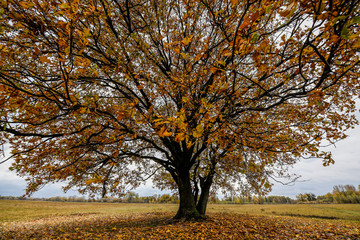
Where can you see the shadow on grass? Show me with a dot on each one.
(157, 220)
(307, 216)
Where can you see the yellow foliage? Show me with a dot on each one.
(180, 137)
(164, 132)
(187, 40)
(197, 133)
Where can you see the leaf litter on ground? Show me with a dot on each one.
(161, 226)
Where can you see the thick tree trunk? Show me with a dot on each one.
(187, 208)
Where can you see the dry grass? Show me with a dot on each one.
(14, 210)
(64, 220)
(348, 212)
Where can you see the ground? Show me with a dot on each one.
(154, 221)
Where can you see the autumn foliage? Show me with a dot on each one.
(197, 95)
(158, 226)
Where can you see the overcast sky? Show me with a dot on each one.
(315, 178)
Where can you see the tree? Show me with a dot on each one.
(306, 197)
(343, 188)
(345, 194)
(301, 197)
(197, 95)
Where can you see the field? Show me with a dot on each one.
(64, 220)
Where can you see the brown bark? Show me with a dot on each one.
(204, 196)
(187, 207)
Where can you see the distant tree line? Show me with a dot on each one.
(253, 200)
(52, 199)
(133, 197)
(340, 194)
(130, 197)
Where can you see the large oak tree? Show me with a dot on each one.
(103, 94)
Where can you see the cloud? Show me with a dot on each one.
(319, 179)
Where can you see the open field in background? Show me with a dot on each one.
(349, 212)
(17, 210)
(71, 220)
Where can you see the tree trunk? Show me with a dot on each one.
(204, 197)
(187, 208)
(205, 184)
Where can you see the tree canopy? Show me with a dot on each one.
(197, 95)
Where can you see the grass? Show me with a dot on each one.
(348, 212)
(68, 220)
(17, 210)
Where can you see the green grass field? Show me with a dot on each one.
(72, 220)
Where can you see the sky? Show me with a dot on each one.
(315, 178)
